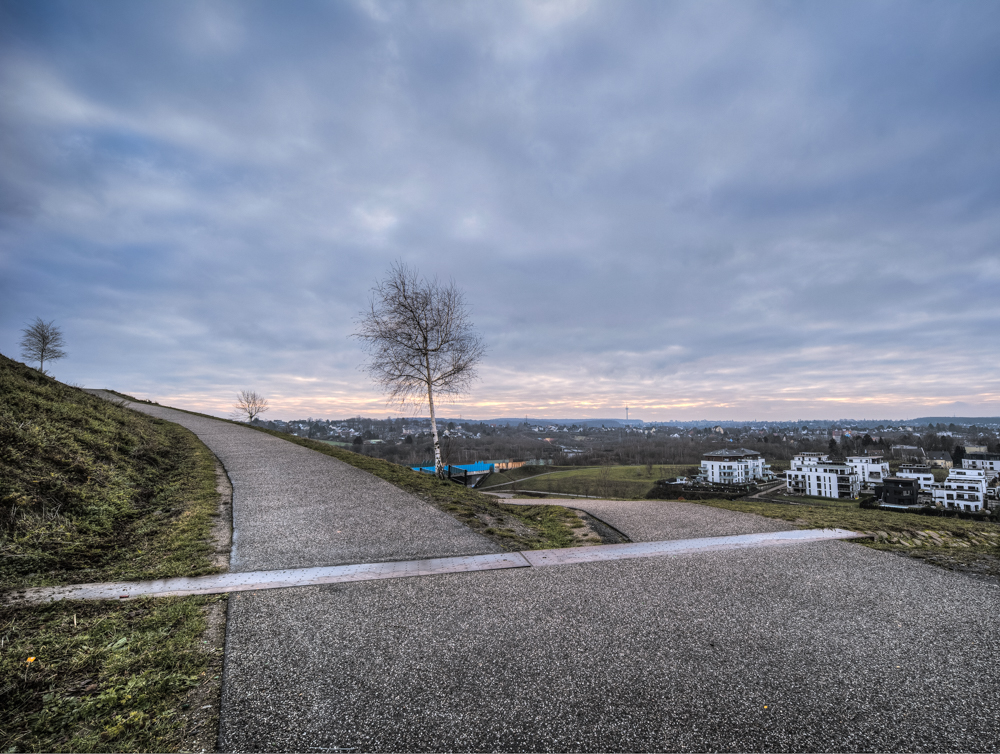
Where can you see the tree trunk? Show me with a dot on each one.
(438, 466)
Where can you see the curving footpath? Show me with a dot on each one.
(804, 647)
(296, 508)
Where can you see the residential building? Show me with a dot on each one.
(815, 474)
(734, 466)
(900, 492)
(988, 462)
(908, 453)
(964, 489)
(505, 464)
(923, 474)
(871, 470)
(939, 459)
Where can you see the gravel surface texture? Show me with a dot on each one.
(814, 647)
(296, 508)
(660, 520)
(818, 647)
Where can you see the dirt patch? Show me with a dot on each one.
(607, 534)
(586, 534)
(199, 711)
(222, 521)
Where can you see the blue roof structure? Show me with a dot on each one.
(481, 467)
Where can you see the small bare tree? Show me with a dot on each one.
(420, 342)
(42, 341)
(250, 404)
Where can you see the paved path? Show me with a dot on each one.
(805, 647)
(296, 508)
(817, 647)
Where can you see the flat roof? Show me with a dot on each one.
(734, 453)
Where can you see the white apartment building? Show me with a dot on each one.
(988, 462)
(922, 474)
(964, 489)
(871, 470)
(815, 474)
(734, 466)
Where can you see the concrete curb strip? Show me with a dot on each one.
(257, 580)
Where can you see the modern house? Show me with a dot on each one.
(734, 466)
(900, 492)
(964, 489)
(921, 473)
(871, 470)
(815, 474)
(988, 462)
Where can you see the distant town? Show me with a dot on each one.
(895, 465)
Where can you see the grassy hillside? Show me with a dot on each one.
(90, 491)
(500, 478)
(627, 482)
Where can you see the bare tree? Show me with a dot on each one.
(420, 342)
(42, 341)
(250, 404)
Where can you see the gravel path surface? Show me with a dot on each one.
(659, 520)
(819, 647)
(296, 508)
(824, 646)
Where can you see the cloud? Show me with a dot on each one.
(724, 209)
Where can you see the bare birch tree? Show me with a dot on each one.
(42, 341)
(250, 404)
(419, 341)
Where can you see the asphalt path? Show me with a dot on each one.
(819, 647)
(296, 508)
(822, 646)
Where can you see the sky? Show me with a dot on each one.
(704, 210)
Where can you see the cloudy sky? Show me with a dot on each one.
(723, 210)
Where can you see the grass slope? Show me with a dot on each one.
(499, 479)
(105, 676)
(954, 543)
(90, 491)
(626, 482)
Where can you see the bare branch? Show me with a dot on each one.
(250, 404)
(419, 340)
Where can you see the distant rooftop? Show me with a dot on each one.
(733, 453)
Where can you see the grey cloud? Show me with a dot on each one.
(641, 193)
